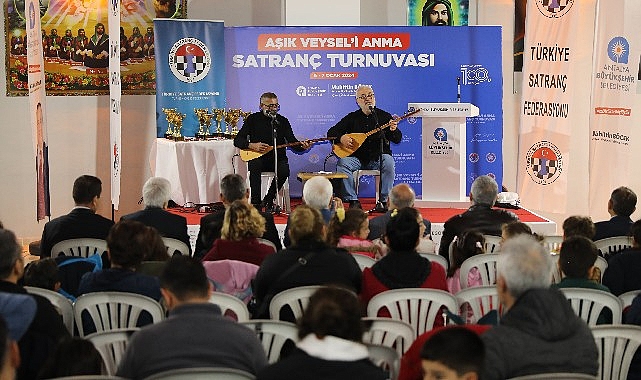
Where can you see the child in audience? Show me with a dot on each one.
(454, 353)
(349, 229)
(45, 274)
(72, 357)
(470, 243)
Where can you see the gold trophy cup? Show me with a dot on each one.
(169, 115)
(231, 119)
(219, 115)
(204, 122)
(178, 124)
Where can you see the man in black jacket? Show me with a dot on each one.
(232, 187)
(622, 203)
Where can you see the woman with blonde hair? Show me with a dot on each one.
(240, 236)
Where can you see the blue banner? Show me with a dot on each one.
(315, 72)
(190, 70)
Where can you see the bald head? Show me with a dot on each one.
(401, 196)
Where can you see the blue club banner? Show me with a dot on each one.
(190, 70)
(315, 72)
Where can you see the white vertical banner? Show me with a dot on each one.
(553, 114)
(37, 107)
(114, 100)
(615, 100)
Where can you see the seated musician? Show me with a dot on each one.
(365, 154)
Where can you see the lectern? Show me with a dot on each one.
(444, 149)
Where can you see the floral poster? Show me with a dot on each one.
(76, 45)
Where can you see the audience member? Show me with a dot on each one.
(453, 354)
(156, 193)
(401, 196)
(480, 216)
(9, 353)
(577, 225)
(82, 221)
(309, 261)
(622, 203)
(622, 273)
(195, 334)
(155, 253)
(540, 327)
(402, 267)
(42, 274)
(348, 229)
(317, 193)
(514, 229)
(72, 357)
(46, 328)
(330, 345)
(242, 226)
(232, 187)
(470, 244)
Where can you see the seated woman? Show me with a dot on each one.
(155, 255)
(308, 261)
(402, 267)
(470, 243)
(242, 226)
(348, 229)
(330, 345)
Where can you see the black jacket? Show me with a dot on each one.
(168, 224)
(258, 128)
(79, 223)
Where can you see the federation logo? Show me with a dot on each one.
(189, 60)
(554, 8)
(490, 157)
(473, 157)
(301, 91)
(411, 119)
(618, 50)
(440, 134)
(544, 163)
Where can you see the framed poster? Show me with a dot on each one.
(437, 12)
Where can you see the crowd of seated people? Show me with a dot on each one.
(322, 238)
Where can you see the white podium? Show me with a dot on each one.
(444, 152)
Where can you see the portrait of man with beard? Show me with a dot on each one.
(437, 12)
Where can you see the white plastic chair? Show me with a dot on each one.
(602, 264)
(492, 243)
(81, 247)
(230, 303)
(89, 377)
(111, 345)
(588, 304)
(363, 261)
(486, 264)
(556, 376)
(417, 306)
(627, 298)
(617, 345)
(386, 358)
(273, 335)
(610, 246)
(434, 258)
(556, 271)
(480, 300)
(357, 174)
(174, 245)
(115, 310)
(552, 243)
(207, 373)
(296, 298)
(388, 332)
(62, 304)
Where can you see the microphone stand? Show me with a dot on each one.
(379, 207)
(277, 205)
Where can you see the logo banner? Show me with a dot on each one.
(114, 100)
(614, 96)
(37, 97)
(190, 69)
(553, 108)
(315, 71)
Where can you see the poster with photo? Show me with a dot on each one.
(437, 12)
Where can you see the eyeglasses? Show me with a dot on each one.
(271, 106)
(366, 97)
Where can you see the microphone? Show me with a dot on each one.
(372, 108)
(274, 120)
(458, 89)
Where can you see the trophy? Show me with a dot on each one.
(204, 121)
(178, 124)
(219, 114)
(245, 114)
(231, 118)
(169, 115)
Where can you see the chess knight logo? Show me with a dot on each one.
(544, 162)
(554, 8)
(189, 60)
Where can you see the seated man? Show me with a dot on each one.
(480, 216)
(622, 204)
(539, 332)
(82, 221)
(194, 335)
(577, 225)
(155, 196)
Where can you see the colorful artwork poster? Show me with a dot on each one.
(437, 12)
(74, 39)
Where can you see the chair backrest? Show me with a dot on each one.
(556, 271)
(363, 261)
(610, 246)
(174, 245)
(267, 242)
(230, 303)
(213, 373)
(273, 335)
(417, 306)
(434, 258)
(89, 377)
(388, 332)
(486, 265)
(627, 297)
(556, 376)
(296, 298)
(588, 304)
(480, 300)
(602, 264)
(492, 243)
(81, 247)
(617, 345)
(115, 310)
(111, 345)
(552, 243)
(62, 304)
(385, 357)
